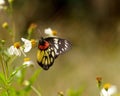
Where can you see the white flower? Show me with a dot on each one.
(27, 44)
(28, 62)
(108, 92)
(2, 2)
(50, 32)
(16, 49)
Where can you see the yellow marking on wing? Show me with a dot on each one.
(51, 59)
(43, 60)
(46, 62)
(53, 54)
(40, 55)
(48, 58)
(46, 53)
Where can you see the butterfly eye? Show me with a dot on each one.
(49, 49)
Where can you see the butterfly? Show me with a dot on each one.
(49, 49)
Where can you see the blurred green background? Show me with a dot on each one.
(93, 27)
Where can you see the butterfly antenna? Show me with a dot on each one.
(40, 33)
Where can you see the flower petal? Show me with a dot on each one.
(17, 52)
(112, 90)
(10, 50)
(27, 45)
(14, 51)
(28, 63)
(2, 2)
(49, 32)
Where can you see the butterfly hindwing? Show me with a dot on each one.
(45, 58)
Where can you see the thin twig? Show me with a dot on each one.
(36, 91)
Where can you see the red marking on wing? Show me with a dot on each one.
(45, 46)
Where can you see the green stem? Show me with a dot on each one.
(7, 69)
(7, 92)
(5, 72)
(36, 91)
(13, 30)
(3, 66)
(13, 22)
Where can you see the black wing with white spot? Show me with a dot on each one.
(59, 45)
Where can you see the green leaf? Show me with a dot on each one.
(3, 93)
(12, 75)
(12, 91)
(2, 80)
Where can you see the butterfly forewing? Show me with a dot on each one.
(60, 45)
(49, 49)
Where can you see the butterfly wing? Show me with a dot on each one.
(57, 46)
(45, 58)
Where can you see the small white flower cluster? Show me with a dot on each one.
(16, 49)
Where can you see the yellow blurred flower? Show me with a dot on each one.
(33, 42)
(26, 83)
(10, 1)
(5, 25)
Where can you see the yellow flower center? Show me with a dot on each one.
(33, 42)
(54, 32)
(17, 45)
(26, 59)
(106, 86)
